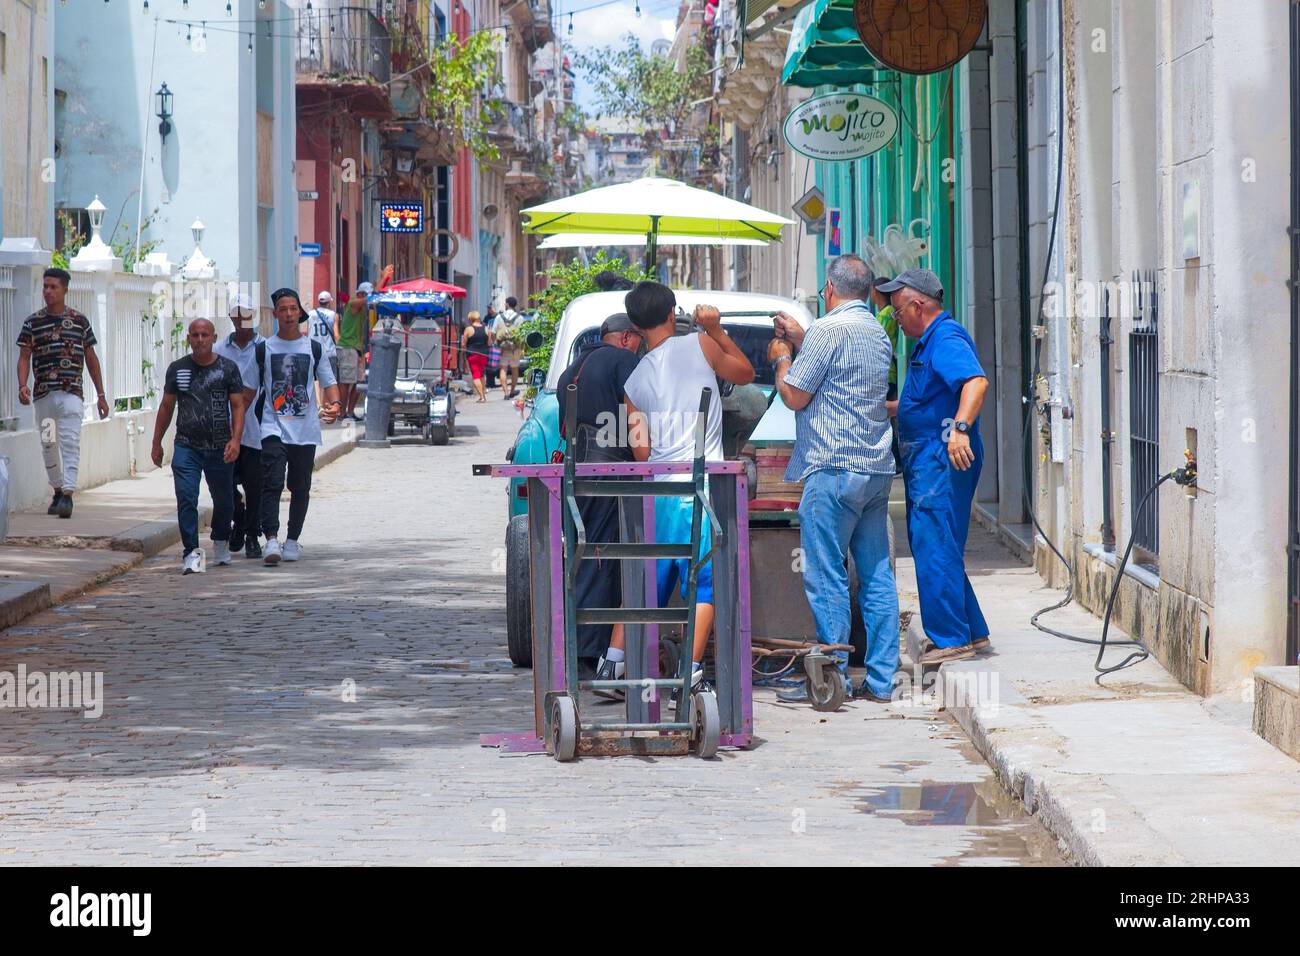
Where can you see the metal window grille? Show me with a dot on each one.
(1144, 411)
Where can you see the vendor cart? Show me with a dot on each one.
(702, 721)
(422, 397)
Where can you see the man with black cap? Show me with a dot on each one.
(939, 430)
(289, 362)
(600, 373)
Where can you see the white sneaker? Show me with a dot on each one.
(271, 551)
(291, 550)
(220, 552)
(193, 563)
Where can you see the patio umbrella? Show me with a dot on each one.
(575, 240)
(426, 285)
(654, 207)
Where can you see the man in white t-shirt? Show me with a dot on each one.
(240, 346)
(289, 364)
(663, 406)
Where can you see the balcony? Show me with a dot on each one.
(349, 54)
(532, 18)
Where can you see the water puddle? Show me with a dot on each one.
(1003, 831)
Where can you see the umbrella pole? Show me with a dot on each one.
(651, 246)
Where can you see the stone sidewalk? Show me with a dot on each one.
(1132, 771)
(47, 560)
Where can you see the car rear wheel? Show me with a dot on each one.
(519, 628)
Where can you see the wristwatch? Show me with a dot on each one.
(961, 426)
(779, 359)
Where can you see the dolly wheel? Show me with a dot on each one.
(564, 729)
(825, 684)
(708, 726)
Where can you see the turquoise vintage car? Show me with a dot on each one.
(539, 436)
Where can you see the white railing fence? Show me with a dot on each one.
(9, 326)
(134, 347)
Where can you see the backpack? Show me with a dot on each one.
(261, 372)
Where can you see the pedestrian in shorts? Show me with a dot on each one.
(350, 336)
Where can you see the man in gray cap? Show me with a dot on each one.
(600, 373)
(938, 425)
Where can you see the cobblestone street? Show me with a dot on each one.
(229, 735)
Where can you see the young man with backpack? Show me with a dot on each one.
(289, 363)
(322, 320)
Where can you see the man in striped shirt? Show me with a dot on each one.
(836, 388)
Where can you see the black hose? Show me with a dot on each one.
(1143, 653)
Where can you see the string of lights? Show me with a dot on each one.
(258, 21)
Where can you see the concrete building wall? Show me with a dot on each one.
(1173, 77)
(208, 166)
(27, 161)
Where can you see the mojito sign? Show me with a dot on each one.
(840, 126)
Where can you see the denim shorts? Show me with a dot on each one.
(673, 526)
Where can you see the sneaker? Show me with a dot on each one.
(272, 551)
(252, 548)
(221, 552)
(65, 505)
(611, 670)
(292, 552)
(53, 509)
(193, 563)
(941, 655)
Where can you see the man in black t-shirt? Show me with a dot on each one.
(209, 395)
(600, 373)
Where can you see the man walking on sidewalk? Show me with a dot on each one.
(837, 388)
(58, 342)
(939, 430)
(350, 336)
(506, 330)
(289, 363)
(240, 346)
(211, 395)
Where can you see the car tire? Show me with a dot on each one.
(519, 629)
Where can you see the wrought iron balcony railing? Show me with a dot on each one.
(350, 42)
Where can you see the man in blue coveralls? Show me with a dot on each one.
(938, 424)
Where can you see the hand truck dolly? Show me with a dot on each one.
(703, 720)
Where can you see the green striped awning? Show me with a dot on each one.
(825, 48)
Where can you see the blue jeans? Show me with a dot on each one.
(188, 465)
(843, 513)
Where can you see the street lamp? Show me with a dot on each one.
(164, 111)
(404, 149)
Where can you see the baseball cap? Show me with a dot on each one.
(618, 322)
(366, 287)
(922, 280)
(241, 304)
(324, 297)
(287, 293)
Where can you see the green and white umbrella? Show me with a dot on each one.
(652, 207)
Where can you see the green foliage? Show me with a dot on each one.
(565, 281)
(460, 71)
(645, 90)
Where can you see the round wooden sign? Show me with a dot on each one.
(919, 36)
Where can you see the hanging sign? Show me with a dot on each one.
(834, 234)
(401, 217)
(840, 126)
(919, 37)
